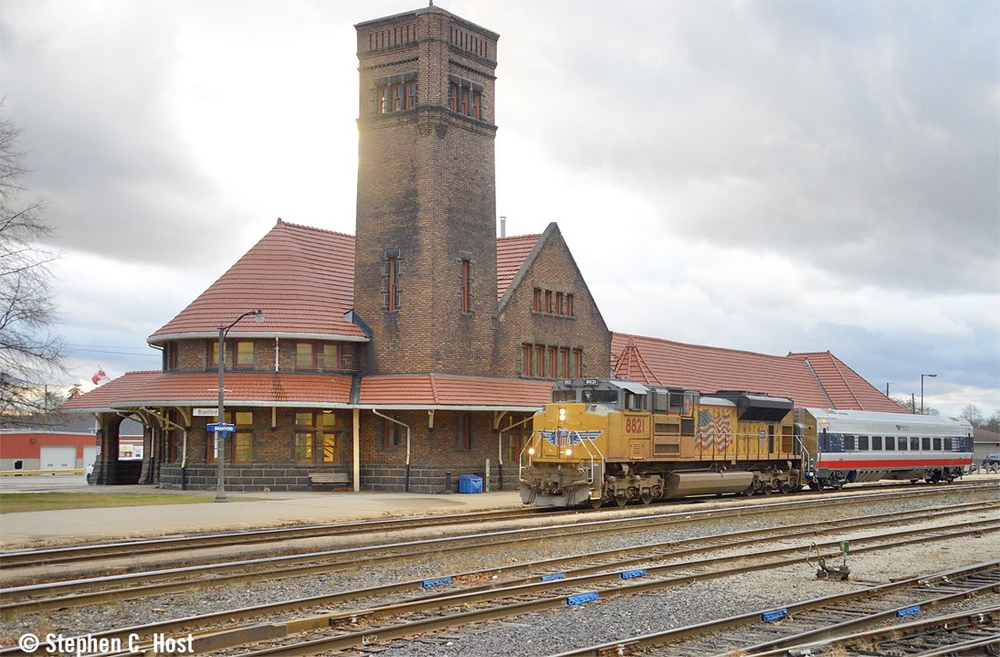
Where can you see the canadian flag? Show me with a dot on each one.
(100, 376)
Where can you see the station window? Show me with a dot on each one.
(305, 356)
(552, 302)
(241, 450)
(317, 436)
(393, 435)
(550, 361)
(328, 356)
(244, 353)
(465, 431)
(171, 357)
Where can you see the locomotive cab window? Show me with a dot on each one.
(634, 402)
(564, 396)
(661, 401)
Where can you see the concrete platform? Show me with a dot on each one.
(34, 528)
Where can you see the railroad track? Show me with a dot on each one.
(495, 587)
(74, 553)
(12, 560)
(343, 630)
(840, 624)
(105, 589)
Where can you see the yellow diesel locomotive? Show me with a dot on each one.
(608, 441)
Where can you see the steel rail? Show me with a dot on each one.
(72, 553)
(895, 633)
(751, 537)
(109, 550)
(666, 518)
(672, 636)
(148, 583)
(507, 606)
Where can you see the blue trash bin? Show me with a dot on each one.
(468, 483)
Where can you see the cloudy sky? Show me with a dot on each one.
(766, 176)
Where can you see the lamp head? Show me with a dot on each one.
(258, 316)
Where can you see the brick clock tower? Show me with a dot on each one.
(425, 269)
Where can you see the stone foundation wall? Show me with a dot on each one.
(241, 478)
(388, 478)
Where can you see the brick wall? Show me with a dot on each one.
(426, 193)
(553, 269)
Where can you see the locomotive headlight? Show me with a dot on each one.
(531, 451)
(562, 414)
(568, 452)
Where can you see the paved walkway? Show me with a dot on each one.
(266, 510)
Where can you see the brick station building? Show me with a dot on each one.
(417, 349)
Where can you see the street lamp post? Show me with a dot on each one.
(922, 390)
(220, 447)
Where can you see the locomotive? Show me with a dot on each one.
(610, 441)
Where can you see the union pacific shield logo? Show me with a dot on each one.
(567, 438)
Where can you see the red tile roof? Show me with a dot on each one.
(202, 389)
(449, 390)
(829, 383)
(511, 254)
(101, 397)
(844, 386)
(303, 279)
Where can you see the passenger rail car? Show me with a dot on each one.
(858, 446)
(607, 441)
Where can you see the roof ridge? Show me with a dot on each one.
(700, 346)
(518, 237)
(434, 392)
(282, 222)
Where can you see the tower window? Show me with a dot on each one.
(466, 98)
(391, 289)
(466, 285)
(396, 94)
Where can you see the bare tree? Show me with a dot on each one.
(30, 354)
(975, 416)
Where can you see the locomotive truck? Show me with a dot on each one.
(609, 441)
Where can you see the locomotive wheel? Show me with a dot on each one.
(646, 498)
(621, 500)
(749, 491)
(786, 488)
(596, 504)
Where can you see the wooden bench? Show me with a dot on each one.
(328, 479)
